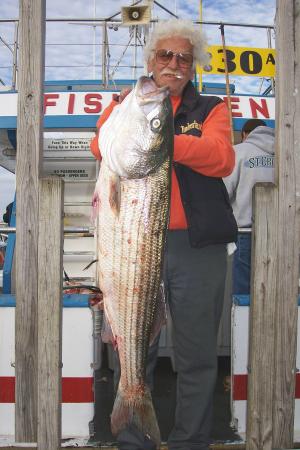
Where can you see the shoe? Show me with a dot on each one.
(133, 439)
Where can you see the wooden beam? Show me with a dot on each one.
(271, 389)
(29, 157)
(50, 251)
(262, 316)
(288, 169)
(225, 446)
(297, 97)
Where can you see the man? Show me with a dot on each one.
(254, 163)
(201, 224)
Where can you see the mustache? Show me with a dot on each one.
(175, 73)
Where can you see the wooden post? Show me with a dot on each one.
(29, 156)
(50, 312)
(288, 169)
(271, 388)
(262, 316)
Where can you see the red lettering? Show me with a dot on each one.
(233, 101)
(93, 100)
(263, 108)
(71, 103)
(48, 102)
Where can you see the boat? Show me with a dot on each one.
(71, 109)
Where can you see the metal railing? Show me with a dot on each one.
(83, 231)
(89, 230)
(136, 41)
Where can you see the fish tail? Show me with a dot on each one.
(138, 411)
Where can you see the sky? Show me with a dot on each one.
(74, 51)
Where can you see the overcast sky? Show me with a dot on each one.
(70, 53)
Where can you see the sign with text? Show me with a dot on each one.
(62, 103)
(259, 62)
(73, 173)
(69, 110)
(74, 144)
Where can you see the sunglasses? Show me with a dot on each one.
(165, 57)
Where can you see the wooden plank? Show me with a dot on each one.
(29, 156)
(50, 251)
(297, 97)
(276, 384)
(287, 120)
(163, 447)
(262, 316)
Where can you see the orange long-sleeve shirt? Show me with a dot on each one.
(211, 154)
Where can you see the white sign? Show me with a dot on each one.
(71, 170)
(62, 103)
(75, 173)
(70, 104)
(75, 144)
(246, 107)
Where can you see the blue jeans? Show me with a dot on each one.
(241, 269)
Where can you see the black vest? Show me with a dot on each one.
(205, 199)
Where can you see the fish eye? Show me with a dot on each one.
(155, 123)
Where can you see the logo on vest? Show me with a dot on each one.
(191, 126)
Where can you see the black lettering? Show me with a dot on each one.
(269, 161)
(230, 55)
(270, 59)
(251, 163)
(256, 60)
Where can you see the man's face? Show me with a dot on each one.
(171, 70)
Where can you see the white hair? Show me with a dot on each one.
(180, 28)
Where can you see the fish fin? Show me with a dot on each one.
(114, 197)
(137, 410)
(160, 315)
(106, 332)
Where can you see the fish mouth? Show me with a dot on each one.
(148, 91)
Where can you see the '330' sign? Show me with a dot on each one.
(259, 62)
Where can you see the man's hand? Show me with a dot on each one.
(124, 94)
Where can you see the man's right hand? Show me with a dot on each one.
(124, 94)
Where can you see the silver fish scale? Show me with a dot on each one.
(132, 224)
(131, 246)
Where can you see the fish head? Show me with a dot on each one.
(157, 133)
(138, 136)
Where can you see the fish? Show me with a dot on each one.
(133, 197)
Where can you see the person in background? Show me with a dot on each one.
(7, 214)
(6, 219)
(254, 163)
(201, 224)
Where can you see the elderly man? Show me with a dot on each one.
(201, 224)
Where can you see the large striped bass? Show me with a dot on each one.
(133, 188)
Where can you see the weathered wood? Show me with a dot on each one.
(29, 155)
(273, 387)
(288, 169)
(163, 447)
(50, 251)
(297, 96)
(262, 316)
